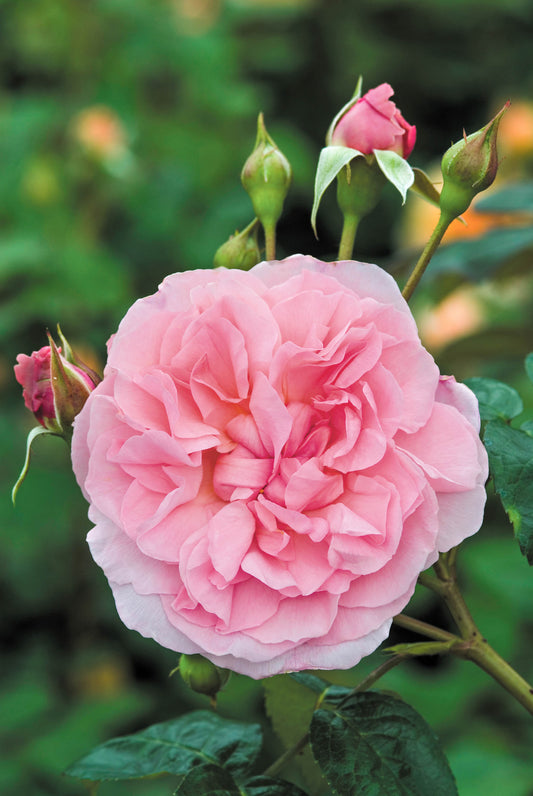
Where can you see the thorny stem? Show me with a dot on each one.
(431, 247)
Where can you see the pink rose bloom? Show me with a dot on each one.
(374, 122)
(33, 373)
(271, 460)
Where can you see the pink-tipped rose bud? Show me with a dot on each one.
(374, 122)
(54, 388)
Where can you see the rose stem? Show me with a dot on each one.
(270, 241)
(423, 628)
(471, 646)
(349, 229)
(431, 247)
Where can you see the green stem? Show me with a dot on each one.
(270, 241)
(349, 230)
(473, 646)
(278, 764)
(431, 247)
(423, 628)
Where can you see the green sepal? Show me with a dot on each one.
(396, 170)
(345, 108)
(424, 187)
(34, 433)
(332, 159)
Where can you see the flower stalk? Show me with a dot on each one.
(470, 643)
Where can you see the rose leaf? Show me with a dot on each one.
(496, 399)
(378, 744)
(212, 780)
(174, 747)
(510, 453)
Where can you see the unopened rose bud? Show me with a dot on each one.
(55, 387)
(240, 251)
(469, 167)
(202, 676)
(266, 177)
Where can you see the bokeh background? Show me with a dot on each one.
(123, 128)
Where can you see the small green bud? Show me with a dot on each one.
(240, 250)
(469, 167)
(201, 675)
(266, 177)
(359, 186)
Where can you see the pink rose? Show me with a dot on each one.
(271, 459)
(52, 400)
(374, 122)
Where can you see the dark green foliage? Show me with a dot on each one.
(376, 745)
(496, 399)
(174, 747)
(511, 462)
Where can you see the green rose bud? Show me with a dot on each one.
(469, 167)
(266, 177)
(240, 251)
(202, 676)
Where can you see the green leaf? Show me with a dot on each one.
(396, 170)
(425, 188)
(290, 706)
(34, 433)
(527, 427)
(510, 453)
(328, 692)
(332, 159)
(208, 780)
(496, 399)
(266, 786)
(513, 198)
(174, 746)
(529, 366)
(376, 744)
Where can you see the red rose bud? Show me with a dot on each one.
(469, 167)
(240, 251)
(374, 122)
(54, 388)
(266, 177)
(202, 676)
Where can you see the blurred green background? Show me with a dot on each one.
(123, 128)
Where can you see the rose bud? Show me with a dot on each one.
(54, 387)
(374, 122)
(240, 250)
(266, 177)
(201, 675)
(469, 167)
